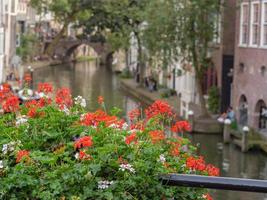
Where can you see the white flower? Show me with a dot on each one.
(5, 149)
(41, 94)
(79, 100)
(133, 131)
(125, 126)
(1, 164)
(77, 156)
(82, 117)
(21, 120)
(162, 158)
(66, 110)
(113, 126)
(10, 146)
(128, 167)
(104, 184)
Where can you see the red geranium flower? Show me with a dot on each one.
(28, 78)
(100, 100)
(45, 88)
(156, 136)
(32, 113)
(181, 126)
(22, 154)
(134, 114)
(131, 138)
(196, 163)
(207, 196)
(64, 98)
(85, 141)
(159, 108)
(212, 170)
(84, 156)
(11, 104)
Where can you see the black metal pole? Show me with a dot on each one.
(220, 183)
(31, 78)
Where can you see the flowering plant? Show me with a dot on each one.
(68, 153)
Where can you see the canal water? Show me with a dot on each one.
(90, 81)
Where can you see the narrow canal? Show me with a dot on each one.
(91, 81)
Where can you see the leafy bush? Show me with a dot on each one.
(214, 100)
(56, 150)
(28, 46)
(126, 74)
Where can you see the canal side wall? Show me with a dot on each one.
(199, 125)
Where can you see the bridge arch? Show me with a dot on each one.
(66, 48)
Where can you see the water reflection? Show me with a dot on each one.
(91, 81)
(88, 80)
(233, 163)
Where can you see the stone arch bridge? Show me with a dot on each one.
(66, 47)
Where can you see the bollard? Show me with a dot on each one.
(226, 131)
(191, 119)
(244, 144)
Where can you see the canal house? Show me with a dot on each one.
(250, 76)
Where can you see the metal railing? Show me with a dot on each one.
(219, 183)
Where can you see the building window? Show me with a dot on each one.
(1, 43)
(13, 6)
(263, 70)
(264, 24)
(255, 21)
(244, 24)
(241, 67)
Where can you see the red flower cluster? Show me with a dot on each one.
(11, 104)
(134, 114)
(140, 125)
(28, 78)
(93, 119)
(156, 136)
(196, 163)
(159, 108)
(45, 88)
(131, 138)
(200, 165)
(5, 92)
(85, 141)
(34, 105)
(175, 148)
(44, 102)
(181, 126)
(207, 196)
(212, 171)
(100, 100)
(64, 98)
(22, 154)
(84, 156)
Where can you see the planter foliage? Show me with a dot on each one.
(54, 149)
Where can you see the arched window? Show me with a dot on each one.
(243, 111)
(261, 115)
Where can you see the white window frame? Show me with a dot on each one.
(241, 25)
(263, 23)
(252, 24)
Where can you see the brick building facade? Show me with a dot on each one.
(250, 74)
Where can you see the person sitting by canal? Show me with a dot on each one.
(229, 114)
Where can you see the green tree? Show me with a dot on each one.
(27, 48)
(65, 12)
(183, 30)
(117, 21)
